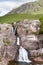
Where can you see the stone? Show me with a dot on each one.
(36, 55)
(5, 28)
(29, 42)
(10, 52)
(26, 30)
(8, 46)
(4, 62)
(37, 60)
(27, 27)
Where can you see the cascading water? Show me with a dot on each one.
(23, 54)
(18, 41)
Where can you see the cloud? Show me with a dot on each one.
(18, 0)
(8, 5)
(3, 11)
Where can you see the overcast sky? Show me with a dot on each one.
(8, 5)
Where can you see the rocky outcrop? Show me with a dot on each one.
(8, 46)
(8, 53)
(28, 27)
(27, 31)
(30, 40)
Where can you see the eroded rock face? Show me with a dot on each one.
(33, 46)
(8, 46)
(8, 53)
(28, 27)
(29, 42)
(36, 55)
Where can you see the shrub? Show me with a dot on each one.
(0, 28)
(41, 27)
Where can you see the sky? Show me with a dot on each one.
(8, 5)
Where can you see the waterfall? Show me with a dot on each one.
(23, 54)
(18, 41)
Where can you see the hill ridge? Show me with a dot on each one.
(35, 7)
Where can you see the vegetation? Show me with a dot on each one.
(31, 11)
(41, 27)
(0, 28)
(20, 17)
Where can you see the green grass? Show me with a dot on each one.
(20, 17)
(40, 11)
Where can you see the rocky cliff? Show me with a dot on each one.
(27, 31)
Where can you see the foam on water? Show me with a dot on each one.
(23, 54)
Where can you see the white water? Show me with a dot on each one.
(23, 54)
(18, 40)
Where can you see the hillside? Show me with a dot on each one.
(18, 17)
(36, 8)
(31, 7)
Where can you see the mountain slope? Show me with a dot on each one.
(31, 7)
